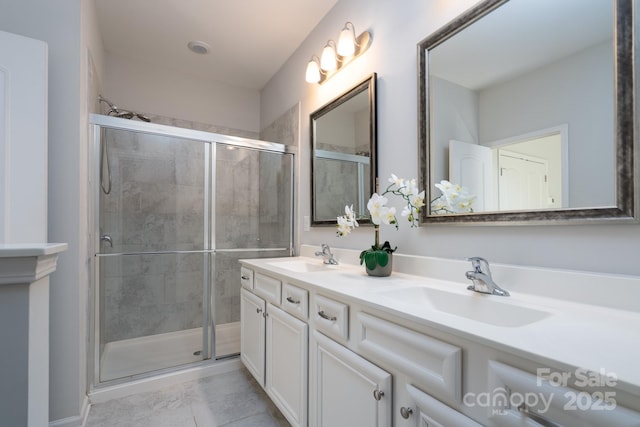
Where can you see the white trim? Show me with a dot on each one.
(163, 380)
(77, 420)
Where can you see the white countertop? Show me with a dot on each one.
(13, 250)
(575, 335)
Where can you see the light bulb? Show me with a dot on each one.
(347, 41)
(328, 58)
(313, 71)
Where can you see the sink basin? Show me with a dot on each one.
(477, 307)
(300, 266)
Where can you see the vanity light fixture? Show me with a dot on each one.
(334, 57)
(313, 70)
(347, 40)
(328, 60)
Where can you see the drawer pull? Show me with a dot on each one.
(292, 301)
(535, 417)
(406, 412)
(243, 277)
(258, 310)
(326, 316)
(377, 394)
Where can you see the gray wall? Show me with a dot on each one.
(396, 32)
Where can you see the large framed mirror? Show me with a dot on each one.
(526, 112)
(343, 157)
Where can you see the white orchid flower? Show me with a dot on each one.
(350, 216)
(397, 181)
(417, 200)
(344, 226)
(388, 215)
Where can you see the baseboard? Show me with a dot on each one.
(75, 421)
(100, 395)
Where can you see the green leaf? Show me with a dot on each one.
(370, 260)
(382, 257)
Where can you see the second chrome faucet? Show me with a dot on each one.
(481, 278)
(326, 255)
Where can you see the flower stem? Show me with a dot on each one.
(377, 236)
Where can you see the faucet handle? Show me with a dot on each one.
(477, 263)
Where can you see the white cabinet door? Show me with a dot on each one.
(346, 390)
(286, 364)
(252, 334)
(430, 412)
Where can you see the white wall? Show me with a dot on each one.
(396, 29)
(134, 85)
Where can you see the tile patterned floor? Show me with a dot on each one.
(232, 399)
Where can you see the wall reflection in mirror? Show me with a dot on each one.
(343, 158)
(521, 106)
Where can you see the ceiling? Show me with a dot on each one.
(250, 39)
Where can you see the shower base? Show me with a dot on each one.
(134, 356)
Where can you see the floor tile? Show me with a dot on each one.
(231, 399)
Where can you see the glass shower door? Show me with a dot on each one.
(253, 219)
(153, 262)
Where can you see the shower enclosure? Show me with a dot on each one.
(174, 211)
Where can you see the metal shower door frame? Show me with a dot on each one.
(212, 141)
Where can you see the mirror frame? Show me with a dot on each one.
(369, 85)
(626, 209)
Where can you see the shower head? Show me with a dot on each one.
(142, 117)
(116, 112)
(123, 114)
(112, 107)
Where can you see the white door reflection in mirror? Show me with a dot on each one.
(522, 181)
(527, 171)
(472, 166)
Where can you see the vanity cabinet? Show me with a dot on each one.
(346, 389)
(328, 358)
(286, 364)
(274, 346)
(252, 334)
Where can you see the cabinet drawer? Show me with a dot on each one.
(246, 277)
(431, 363)
(523, 397)
(295, 301)
(268, 288)
(331, 317)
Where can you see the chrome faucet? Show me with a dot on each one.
(327, 255)
(481, 278)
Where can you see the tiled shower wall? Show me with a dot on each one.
(157, 204)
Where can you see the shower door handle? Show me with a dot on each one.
(107, 238)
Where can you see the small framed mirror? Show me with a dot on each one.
(526, 112)
(343, 157)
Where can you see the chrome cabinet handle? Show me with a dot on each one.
(536, 417)
(258, 310)
(243, 277)
(406, 412)
(326, 316)
(292, 301)
(377, 394)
